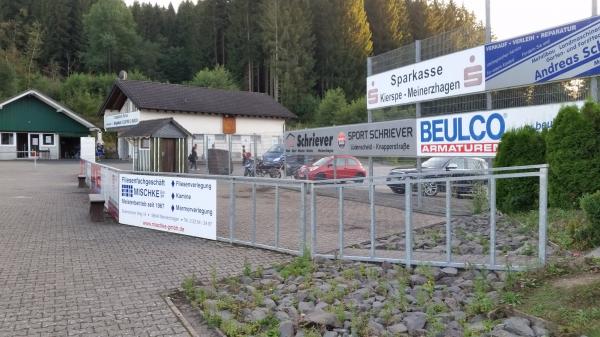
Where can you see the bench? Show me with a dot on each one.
(96, 207)
(81, 180)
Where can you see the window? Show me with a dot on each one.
(474, 164)
(7, 138)
(220, 138)
(460, 163)
(340, 162)
(352, 162)
(48, 139)
(236, 138)
(145, 143)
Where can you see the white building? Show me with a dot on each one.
(213, 116)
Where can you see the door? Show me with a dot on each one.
(167, 155)
(22, 145)
(34, 144)
(340, 166)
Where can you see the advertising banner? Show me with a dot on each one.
(384, 139)
(478, 133)
(172, 204)
(121, 120)
(559, 53)
(455, 74)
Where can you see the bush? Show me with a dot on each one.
(524, 146)
(590, 203)
(573, 150)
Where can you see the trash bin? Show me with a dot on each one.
(218, 162)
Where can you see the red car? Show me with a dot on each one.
(346, 167)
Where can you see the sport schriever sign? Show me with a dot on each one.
(385, 139)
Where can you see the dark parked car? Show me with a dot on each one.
(275, 156)
(458, 167)
(346, 167)
(294, 162)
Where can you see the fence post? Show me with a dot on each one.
(302, 223)
(231, 209)
(408, 222)
(543, 201)
(492, 194)
(448, 221)
(372, 214)
(253, 212)
(341, 220)
(277, 216)
(313, 220)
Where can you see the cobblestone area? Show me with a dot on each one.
(62, 275)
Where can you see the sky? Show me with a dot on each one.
(509, 18)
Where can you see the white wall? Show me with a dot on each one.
(269, 129)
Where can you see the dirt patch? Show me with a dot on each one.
(576, 281)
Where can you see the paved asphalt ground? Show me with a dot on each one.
(62, 275)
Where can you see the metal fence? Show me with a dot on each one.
(371, 219)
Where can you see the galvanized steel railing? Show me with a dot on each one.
(293, 207)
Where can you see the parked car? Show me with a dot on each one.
(274, 157)
(346, 167)
(457, 166)
(294, 162)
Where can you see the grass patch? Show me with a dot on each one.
(575, 309)
(563, 225)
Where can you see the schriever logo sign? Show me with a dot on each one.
(341, 140)
(290, 140)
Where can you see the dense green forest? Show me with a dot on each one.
(310, 55)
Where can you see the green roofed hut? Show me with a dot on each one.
(34, 125)
(160, 145)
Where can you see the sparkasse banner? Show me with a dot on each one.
(568, 51)
(455, 74)
(172, 204)
(393, 138)
(478, 133)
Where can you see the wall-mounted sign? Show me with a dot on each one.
(478, 133)
(172, 204)
(228, 125)
(121, 120)
(454, 74)
(384, 139)
(559, 53)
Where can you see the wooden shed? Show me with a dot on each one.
(160, 145)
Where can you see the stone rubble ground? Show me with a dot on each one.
(470, 235)
(343, 298)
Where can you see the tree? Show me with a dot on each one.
(572, 153)
(111, 39)
(288, 43)
(243, 43)
(352, 113)
(218, 78)
(520, 147)
(388, 20)
(343, 44)
(333, 101)
(8, 79)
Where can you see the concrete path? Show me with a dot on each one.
(62, 275)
